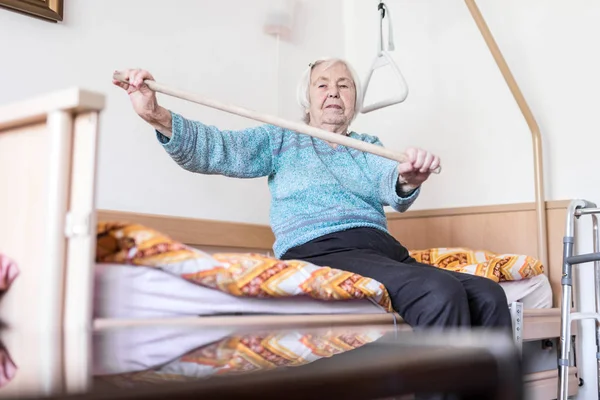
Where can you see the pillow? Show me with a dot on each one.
(498, 267)
(237, 274)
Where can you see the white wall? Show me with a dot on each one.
(460, 107)
(214, 48)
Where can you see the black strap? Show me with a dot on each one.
(381, 8)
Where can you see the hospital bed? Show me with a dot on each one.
(48, 158)
(481, 227)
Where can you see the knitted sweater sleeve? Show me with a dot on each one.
(386, 175)
(205, 149)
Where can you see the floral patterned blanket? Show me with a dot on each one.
(238, 274)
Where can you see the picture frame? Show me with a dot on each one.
(49, 10)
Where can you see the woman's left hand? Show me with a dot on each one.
(417, 168)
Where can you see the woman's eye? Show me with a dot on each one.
(322, 86)
(344, 86)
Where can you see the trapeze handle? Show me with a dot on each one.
(383, 59)
(268, 119)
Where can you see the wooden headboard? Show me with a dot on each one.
(509, 228)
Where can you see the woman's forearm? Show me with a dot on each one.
(161, 121)
(206, 149)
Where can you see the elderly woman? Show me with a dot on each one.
(328, 200)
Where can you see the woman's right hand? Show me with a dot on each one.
(142, 98)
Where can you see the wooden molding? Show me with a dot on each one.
(474, 210)
(200, 232)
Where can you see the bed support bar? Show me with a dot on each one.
(536, 135)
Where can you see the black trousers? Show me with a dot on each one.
(424, 296)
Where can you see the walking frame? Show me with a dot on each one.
(577, 209)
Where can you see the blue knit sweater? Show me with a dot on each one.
(315, 189)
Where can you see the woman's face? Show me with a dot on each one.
(332, 96)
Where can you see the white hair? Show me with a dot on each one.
(302, 92)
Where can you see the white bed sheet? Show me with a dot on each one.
(140, 292)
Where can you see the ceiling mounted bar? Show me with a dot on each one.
(384, 59)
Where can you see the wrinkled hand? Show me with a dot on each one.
(142, 97)
(417, 168)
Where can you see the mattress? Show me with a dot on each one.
(534, 292)
(122, 291)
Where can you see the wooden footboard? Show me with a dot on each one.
(47, 167)
(47, 173)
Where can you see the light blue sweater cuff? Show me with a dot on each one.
(399, 202)
(174, 144)
(176, 130)
(411, 196)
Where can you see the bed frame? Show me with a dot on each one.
(483, 227)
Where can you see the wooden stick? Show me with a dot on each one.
(268, 119)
